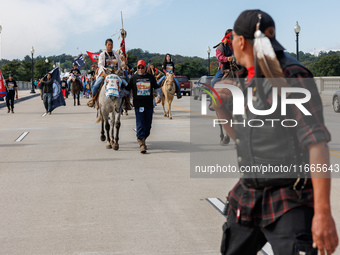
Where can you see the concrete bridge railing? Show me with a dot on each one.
(327, 85)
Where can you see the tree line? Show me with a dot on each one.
(324, 64)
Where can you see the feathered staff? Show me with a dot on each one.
(266, 58)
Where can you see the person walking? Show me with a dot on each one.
(12, 91)
(47, 90)
(291, 211)
(143, 85)
(64, 87)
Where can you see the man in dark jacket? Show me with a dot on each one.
(290, 210)
(47, 90)
(12, 90)
(143, 84)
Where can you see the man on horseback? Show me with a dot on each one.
(76, 72)
(142, 84)
(224, 54)
(108, 59)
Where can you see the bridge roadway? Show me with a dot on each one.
(63, 192)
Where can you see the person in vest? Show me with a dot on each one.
(291, 211)
(224, 56)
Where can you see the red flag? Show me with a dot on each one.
(2, 86)
(93, 56)
(122, 47)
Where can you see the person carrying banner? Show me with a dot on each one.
(291, 211)
(47, 90)
(107, 59)
(12, 90)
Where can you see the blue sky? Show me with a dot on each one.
(184, 27)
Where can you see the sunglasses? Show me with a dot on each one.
(140, 67)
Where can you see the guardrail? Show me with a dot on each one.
(327, 85)
(24, 85)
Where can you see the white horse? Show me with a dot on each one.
(111, 101)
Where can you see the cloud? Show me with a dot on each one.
(48, 25)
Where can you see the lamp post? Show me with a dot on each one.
(208, 51)
(32, 52)
(297, 30)
(46, 61)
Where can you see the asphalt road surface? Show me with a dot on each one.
(63, 192)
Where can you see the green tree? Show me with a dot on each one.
(11, 67)
(327, 66)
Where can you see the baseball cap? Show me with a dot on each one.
(245, 25)
(10, 75)
(141, 62)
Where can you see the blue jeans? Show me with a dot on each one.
(143, 121)
(47, 99)
(176, 81)
(99, 80)
(218, 77)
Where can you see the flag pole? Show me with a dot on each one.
(121, 15)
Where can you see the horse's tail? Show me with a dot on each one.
(99, 119)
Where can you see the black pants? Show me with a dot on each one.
(10, 97)
(290, 234)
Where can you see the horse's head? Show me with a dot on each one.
(169, 77)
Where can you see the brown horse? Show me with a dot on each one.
(168, 89)
(76, 88)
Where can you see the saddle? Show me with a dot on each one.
(94, 101)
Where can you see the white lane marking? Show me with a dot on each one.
(44, 114)
(21, 137)
(219, 206)
(217, 203)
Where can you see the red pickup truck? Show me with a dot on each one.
(184, 84)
